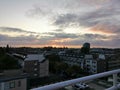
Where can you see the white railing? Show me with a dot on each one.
(83, 79)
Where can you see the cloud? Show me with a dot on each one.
(37, 11)
(66, 20)
(106, 28)
(64, 35)
(11, 29)
(61, 39)
(22, 41)
(106, 18)
(94, 41)
(94, 15)
(32, 38)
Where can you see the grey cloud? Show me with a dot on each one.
(3, 37)
(33, 39)
(77, 40)
(17, 39)
(21, 40)
(107, 15)
(99, 42)
(62, 35)
(66, 20)
(37, 11)
(58, 33)
(71, 19)
(11, 29)
(106, 28)
(108, 44)
(58, 30)
(51, 7)
(94, 36)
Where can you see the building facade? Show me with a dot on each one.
(113, 62)
(72, 59)
(13, 80)
(36, 65)
(95, 63)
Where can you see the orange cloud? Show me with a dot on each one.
(105, 29)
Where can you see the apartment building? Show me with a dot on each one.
(36, 65)
(13, 80)
(113, 62)
(95, 63)
(72, 59)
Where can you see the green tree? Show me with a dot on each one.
(7, 62)
(61, 67)
(74, 71)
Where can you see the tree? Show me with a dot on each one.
(74, 71)
(7, 62)
(61, 67)
(2, 51)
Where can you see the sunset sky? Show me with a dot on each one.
(60, 23)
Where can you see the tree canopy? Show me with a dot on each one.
(8, 62)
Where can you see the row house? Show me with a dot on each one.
(72, 59)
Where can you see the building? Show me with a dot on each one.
(86, 45)
(95, 63)
(36, 65)
(13, 80)
(113, 62)
(86, 48)
(72, 59)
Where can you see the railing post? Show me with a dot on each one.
(115, 80)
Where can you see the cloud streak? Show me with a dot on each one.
(11, 29)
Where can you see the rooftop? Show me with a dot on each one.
(32, 57)
(12, 75)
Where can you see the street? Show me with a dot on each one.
(92, 85)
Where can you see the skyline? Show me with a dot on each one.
(64, 23)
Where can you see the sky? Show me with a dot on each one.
(60, 23)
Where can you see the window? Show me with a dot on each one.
(19, 83)
(35, 63)
(35, 74)
(6, 86)
(12, 84)
(88, 61)
(35, 69)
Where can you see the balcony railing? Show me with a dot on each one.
(83, 79)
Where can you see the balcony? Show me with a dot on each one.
(84, 79)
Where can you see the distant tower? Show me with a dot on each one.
(86, 48)
(86, 45)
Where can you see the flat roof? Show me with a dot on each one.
(4, 79)
(32, 57)
(8, 75)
